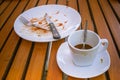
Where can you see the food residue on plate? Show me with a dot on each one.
(43, 28)
(101, 60)
(65, 21)
(60, 24)
(55, 20)
(65, 15)
(34, 20)
(57, 12)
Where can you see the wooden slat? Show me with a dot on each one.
(119, 1)
(85, 14)
(53, 70)
(7, 53)
(36, 64)
(103, 31)
(42, 2)
(54, 73)
(23, 63)
(1, 1)
(116, 6)
(112, 21)
(19, 63)
(31, 4)
(73, 4)
(51, 2)
(61, 2)
(10, 22)
(21, 59)
(7, 12)
(10, 46)
(4, 5)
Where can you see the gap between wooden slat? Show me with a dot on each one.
(114, 33)
(7, 54)
(4, 6)
(5, 32)
(11, 60)
(27, 62)
(1, 1)
(115, 6)
(19, 64)
(4, 17)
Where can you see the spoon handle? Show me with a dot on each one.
(85, 31)
(85, 35)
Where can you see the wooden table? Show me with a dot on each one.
(21, 59)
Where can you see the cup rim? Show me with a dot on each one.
(83, 49)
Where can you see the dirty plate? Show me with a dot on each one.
(65, 18)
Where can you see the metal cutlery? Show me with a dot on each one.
(53, 29)
(25, 21)
(85, 34)
(35, 24)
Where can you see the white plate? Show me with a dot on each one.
(70, 18)
(100, 65)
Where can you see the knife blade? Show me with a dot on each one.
(53, 29)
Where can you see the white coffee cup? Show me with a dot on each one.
(85, 57)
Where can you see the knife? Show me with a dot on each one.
(53, 29)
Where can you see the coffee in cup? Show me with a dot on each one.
(80, 46)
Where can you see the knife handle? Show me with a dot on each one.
(55, 33)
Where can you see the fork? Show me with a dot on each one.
(25, 21)
(35, 24)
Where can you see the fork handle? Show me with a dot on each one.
(54, 31)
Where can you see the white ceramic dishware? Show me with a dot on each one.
(64, 60)
(66, 20)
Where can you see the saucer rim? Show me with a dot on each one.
(94, 75)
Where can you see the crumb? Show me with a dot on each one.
(62, 28)
(101, 60)
(34, 29)
(57, 12)
(60, 24)
(65, 22)
(103, 43)
(65, 15)
(39, 35)
(34, 20)
(40, 22)
(55, 20)
(50, 17)
(45, 31)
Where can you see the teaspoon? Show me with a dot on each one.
(85, 34)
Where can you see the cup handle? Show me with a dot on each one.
(104, 44)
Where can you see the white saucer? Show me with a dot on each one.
(64, 61)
